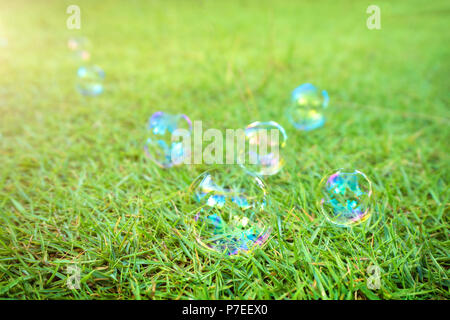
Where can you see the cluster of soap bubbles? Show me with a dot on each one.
(230, 206)
(90, 77)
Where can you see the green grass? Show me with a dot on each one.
(76, 188)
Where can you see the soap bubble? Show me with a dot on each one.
(80, 47)
(344, 197)
(160, 146)
(90, 80)
(307, 107)
(230, 213)
(77, 43)
(264, 141)
(82, 55)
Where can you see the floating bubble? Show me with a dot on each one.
(307, 107)
(79, 46)
(231, 210)
(345, 197)
(263, 144)
(82, 55)
(90, 80)
(77, 43)
(161, 147)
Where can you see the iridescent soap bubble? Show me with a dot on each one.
(263, 144)
(344, 197)
(80, 47)
(230, 214)
(77, 43)
(308, 103)
(161, 147)
(90, 80)
(82, 55)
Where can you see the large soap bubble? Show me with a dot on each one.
(230, 214)
(344, 197)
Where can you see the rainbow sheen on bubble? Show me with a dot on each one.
(160, 146)
(308, 104)
(230, 215)
(263, 144)
(90, 80)
(344, 197)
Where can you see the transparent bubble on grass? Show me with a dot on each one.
(263, 144)
(80, 47)
(308, 103)
(344, 197)
(77, 43)
(82, 55)
(230, 214)
(161, 147)
(90, 80)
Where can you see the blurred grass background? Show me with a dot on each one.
(75, 187)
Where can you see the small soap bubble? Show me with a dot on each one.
(230, 214)
(263, 144)
(80, 48)
(82, 55)
(344, 197)
(161, 146)
(90, 80)
(78, 43)
(308, 104)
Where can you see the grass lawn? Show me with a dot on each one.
(76, 187)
